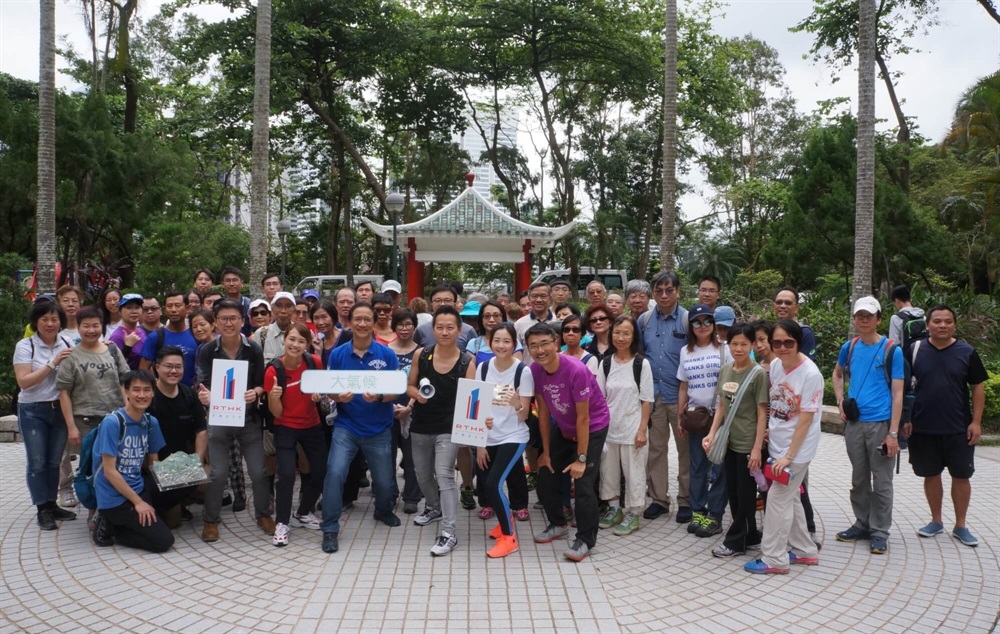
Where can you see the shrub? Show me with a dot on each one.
(991, 415)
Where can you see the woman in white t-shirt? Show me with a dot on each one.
(500, 461)
(698, 372)
(630, 404)
(793, 438)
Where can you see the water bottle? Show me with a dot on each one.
(790, 473)
(762, 483)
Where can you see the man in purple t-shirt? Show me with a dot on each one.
(567, 394)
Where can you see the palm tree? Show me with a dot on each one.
(259, 179)
(864, 213)
(45, 212)
(669, 211)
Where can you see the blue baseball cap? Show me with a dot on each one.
(724, 316)
(310, 293)
(130, 297)
(44, 297)
(699, 310)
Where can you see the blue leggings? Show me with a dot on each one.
(503, 458)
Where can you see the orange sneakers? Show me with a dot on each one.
(506, 544)
(496, 533)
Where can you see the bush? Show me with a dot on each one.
(991, 415)
(13, 316)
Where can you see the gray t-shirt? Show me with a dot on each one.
(93, 380)
(743, 431)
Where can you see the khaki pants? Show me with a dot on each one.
(785, 521)
(661, 423)
(66, 474)
(625, 458)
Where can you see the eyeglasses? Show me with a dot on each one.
(171, 367)
(783, 302)
(597, 320)
(491, 316)
(302, 313)
(259, 313)
(783, 343)
(663, 292)
(228, 319)
(703, 323)
(150, 309)
(538, 296)
(573, 329)
(538, 346)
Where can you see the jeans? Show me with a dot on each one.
(251, 444)
(505, 460)
(44, 434)
(434, 461)
(125, 526)
(704, 498)
(314, 446)
(343, 451)
(562, 453)
(871, 477)
(742, 490)
(411, 490)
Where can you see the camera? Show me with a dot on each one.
(426, 389)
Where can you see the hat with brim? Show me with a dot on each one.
(283, 295)
(867, 304)
(725, 316)
(130, 297)
(471, 309)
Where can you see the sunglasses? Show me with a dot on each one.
(259, 313)
(597, 320)
(302, 312)
(783, 343)
(383, 311)
(573, 329)
(703, 323)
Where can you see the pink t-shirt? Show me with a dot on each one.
(572, 383)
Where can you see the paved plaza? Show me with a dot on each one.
(661, 579)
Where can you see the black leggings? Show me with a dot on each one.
(127, 530)
(505, 462)
(314, 446)
(742, 489)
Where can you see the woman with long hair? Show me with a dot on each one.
(491, 315)
(193, 301)
(324, 319)
(111, 315)
(598, 320)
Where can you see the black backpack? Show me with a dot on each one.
(484, 368)
(636, 369)
(281, 378)
(427, 356)
(914, 328)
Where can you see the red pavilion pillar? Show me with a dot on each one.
(522, 272)
(414, 272)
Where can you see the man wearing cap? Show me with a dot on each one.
(560, 292)
(176, 333)
(129, 337)
(272, 337)
(394, 290)
(871, 410)
(271, 284)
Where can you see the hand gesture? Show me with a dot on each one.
(132, 338)
(575, 470)
(65, 352)
(250, 396)
(204, 396)
(369, 397)
(345, 397)
(780, 465)
(276, 391)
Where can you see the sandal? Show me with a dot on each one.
(522, 515)
(485, 513)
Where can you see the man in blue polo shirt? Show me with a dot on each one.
(364, 423)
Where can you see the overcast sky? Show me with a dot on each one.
(963, 48)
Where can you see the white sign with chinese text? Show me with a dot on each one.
(227, 407)
(357, 381)
(473, 405)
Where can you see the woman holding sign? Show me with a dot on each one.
(296, 421)
(500, 460)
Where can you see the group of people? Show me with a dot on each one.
(585, 405)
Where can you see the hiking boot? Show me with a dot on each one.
(802, 561)
(468, 498)
(330, 544)
(239, 505)
(69, 499)
(551, 534)
(444, 545)
(409, 508)
(628, 525)
(210, 532)
(61, 515)
(308, 520)
(389, 519)
(696, 521)
(611, 518)
(653, 511)
(878, 546)
(280, 535)
(532, 480)
(724, 552)
(709, 527)
(965, 536)
(506, 544)
(932, 529)
(758, 567)
(853, 534)
(266, 524)
(45, 520)
(102, 534)
(577, 552)
(428, 516)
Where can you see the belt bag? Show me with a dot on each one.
(697, 420)
(851, 410)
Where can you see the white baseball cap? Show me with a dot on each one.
(868, 304)
(260, 302)
(391, 286)
(283, 295)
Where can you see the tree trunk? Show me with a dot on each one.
(864, 215)
(669, 237)
(45, 212)
(334, 233)
(129, 75)
(990, 9)
(903, 136)
(259, 226)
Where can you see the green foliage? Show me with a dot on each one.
(991, 415)
(171, 250)
(13, 316)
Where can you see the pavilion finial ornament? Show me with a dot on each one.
(469, 177)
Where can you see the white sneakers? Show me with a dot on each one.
(280, 537)
(308, 520)
(444, 545)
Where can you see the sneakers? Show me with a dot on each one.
(486, 513)
(506, 544)
(802, 561)
(532, 480)
(266, 524)
(102, 535)
(878, 546)
(709, 527)
(932, 529)
(239, 505)
(522, 515)
(68, 499)
(551, 534)
(330, 544)
(611, 518)
(697, 519)
(812, 536)
(444, 545)
(853, 534)
(684, 514)
(965, 536)
(577, 552)
(409, 508)
(45, 520)
(496, 532)
(308, 520)
(468, 498)
(280, 537)
(758, 567)
(61, 515)
(628, 525)
(428, 516)
(389, 519)
(724, 552)
(210, 532)
(653, 511)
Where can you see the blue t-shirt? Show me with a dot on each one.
(183, 340)
(130, 452)
(867, 382)
(358, 416)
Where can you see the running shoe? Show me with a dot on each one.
(506, 544)
(628, 525)
(965, 536)
(444, 545)
(932, 529)
(468, 498)
(551, 534)
(280, 537)
(611, 518)
(802, 561)
(758, 567)
(428, 516)
(308, 520)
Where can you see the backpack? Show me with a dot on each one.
(86, 474)
(636, 369)
(914, 328)
(890, 349)
(484, 368)
(281, 378)
(427, 355)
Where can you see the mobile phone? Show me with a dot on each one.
(882, 449)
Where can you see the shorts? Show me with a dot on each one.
(930, 454)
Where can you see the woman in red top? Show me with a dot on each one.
(296, 421)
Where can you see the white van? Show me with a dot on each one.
(328, 285)
(611, 278)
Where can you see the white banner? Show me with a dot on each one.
(473, 405)
(229, 383)
(357, 381)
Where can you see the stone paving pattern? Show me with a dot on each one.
(660, 579)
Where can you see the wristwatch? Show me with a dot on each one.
(582, 458)
(893, 434)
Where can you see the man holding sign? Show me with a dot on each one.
(233, 346)
(364, 423)
(568, 395)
